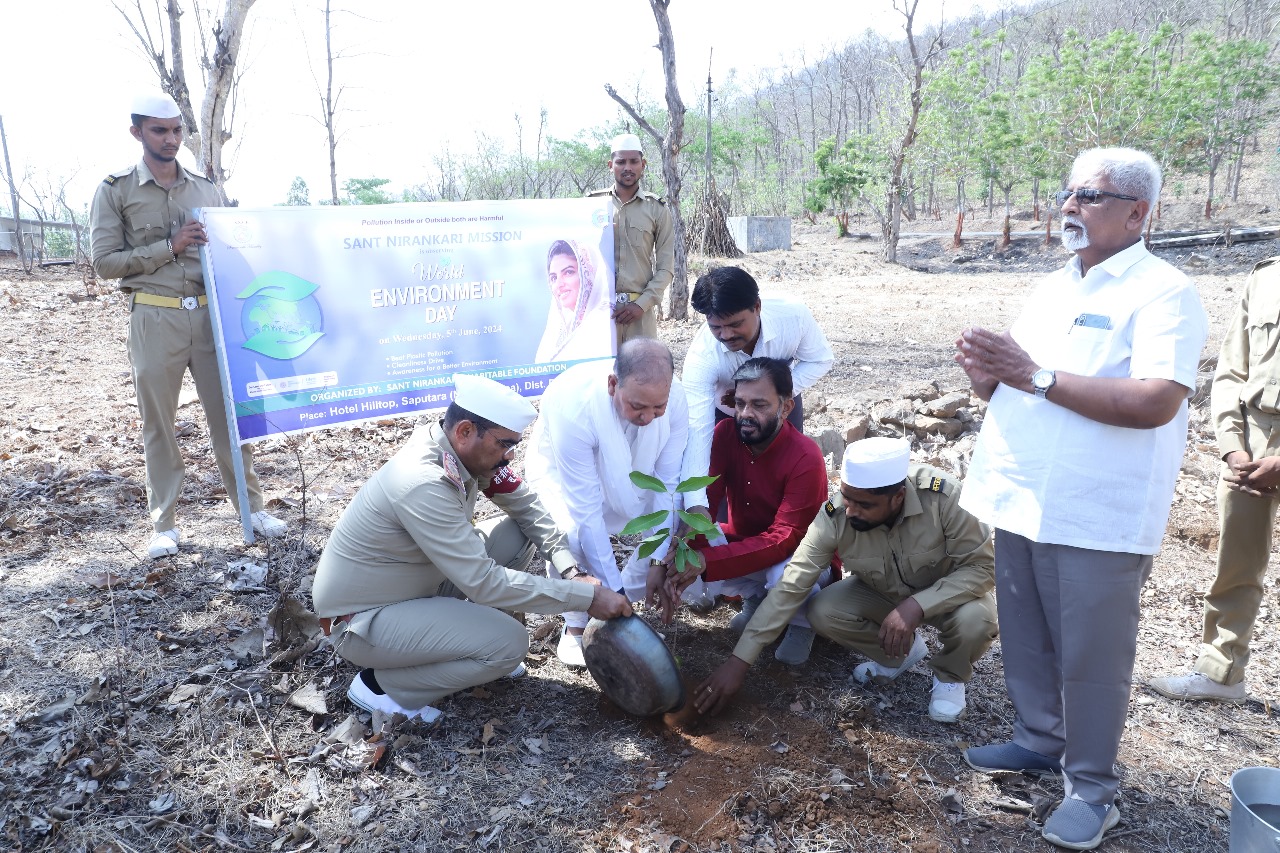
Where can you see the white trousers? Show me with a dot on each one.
(758, 584)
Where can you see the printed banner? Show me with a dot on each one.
(329, 315)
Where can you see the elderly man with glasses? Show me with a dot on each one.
(1075, 468)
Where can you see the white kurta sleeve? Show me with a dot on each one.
(813, 355)
(698, 379)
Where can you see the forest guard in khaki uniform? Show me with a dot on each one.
(413, 590)
(912, 557)
(643, 243)
(142, 233)
(1246, 416)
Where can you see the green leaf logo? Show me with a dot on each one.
(280, 317)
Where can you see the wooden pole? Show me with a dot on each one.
(13, 197)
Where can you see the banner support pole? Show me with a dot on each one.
(228, 400)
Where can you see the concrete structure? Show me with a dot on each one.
(761, 233)
(31, 231)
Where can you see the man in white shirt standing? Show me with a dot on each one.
(1075, 468)
(600, 421)
(740, 326)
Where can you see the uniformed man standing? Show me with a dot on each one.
(912, 557)
(643, 243)
(142, 233)
(1246, 416)
(411, 589)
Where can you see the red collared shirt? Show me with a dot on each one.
(772, 498)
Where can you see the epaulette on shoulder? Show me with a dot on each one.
(926, 480)
(111, 179)
(829, 508)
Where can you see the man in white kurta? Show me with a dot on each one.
(1075, 468)
(600, 421)
(740, 326)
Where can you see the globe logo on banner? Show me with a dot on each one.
(280, 317)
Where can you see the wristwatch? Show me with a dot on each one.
(571, 573)
(1042, 380)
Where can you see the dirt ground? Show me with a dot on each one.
(182, 705)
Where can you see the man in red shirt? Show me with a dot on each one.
(774, 481)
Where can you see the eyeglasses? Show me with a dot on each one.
(1089, 196)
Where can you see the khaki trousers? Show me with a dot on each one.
(164, 343)
(645, 327)
(1068, 637)
(426, 648)
(850, 613)
(1244, 546)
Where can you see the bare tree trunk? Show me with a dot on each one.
(209, 131)
(330, 107)
(891, 227)
(678, 298)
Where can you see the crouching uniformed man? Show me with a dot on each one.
(413, 591)
(911, 556)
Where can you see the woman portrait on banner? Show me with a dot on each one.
(579, 323)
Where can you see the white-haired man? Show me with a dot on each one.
(1075, 468)
(414, 591)
(644, 248)
(142, 232)
(600, 421)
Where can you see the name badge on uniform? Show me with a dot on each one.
(1093, 321)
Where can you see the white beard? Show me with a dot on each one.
(1074, 241)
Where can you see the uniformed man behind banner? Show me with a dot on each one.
(912, 556)
(644, 248)
(413, 591)
(142, 232)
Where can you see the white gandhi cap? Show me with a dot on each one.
(155, 105)
(875, 462)
(493, 401)
(626, 142)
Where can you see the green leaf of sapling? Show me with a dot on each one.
(699, 523)
(652, 484)
(643, 523)
(694, 484)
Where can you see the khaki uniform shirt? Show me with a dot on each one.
(131, 220)
(1248, 371)
(935, 552)
(410, 530)
(644, 246)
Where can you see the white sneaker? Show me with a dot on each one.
(1197, 685)
(362, 697)
(268, 525)
(569, 649)
(518, 672)
(164, 543)
(946, 703)
(880, 674)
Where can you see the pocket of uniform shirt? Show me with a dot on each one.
(1262, 342)
(923, 568)
(149, 224)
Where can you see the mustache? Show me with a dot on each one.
(1072, 220)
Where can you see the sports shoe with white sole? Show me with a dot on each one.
(362, 696)
(1198, 686)
(881, 674)
(946, 702)
(569, 649)
(518, 672)
(795, 646)
(164, 543)
(1077, 825)
(267, 525)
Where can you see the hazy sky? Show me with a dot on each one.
(421, 75)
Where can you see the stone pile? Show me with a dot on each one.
(942, 425)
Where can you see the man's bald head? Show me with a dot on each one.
(641, 381)
(644, 360)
